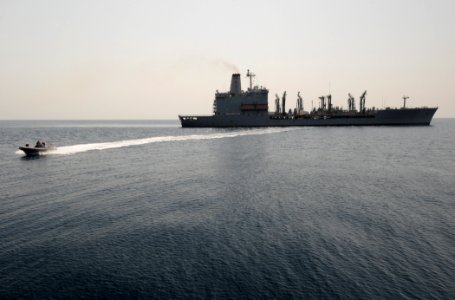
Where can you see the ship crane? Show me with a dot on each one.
(329, 102)
(351, 102)
(250, 75)
(283, 105)
(277, 104)
(322, 98)
(404, 100)
(299, 103)
(362, 102)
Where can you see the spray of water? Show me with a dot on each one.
(73, 149)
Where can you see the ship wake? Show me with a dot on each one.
(73, 149)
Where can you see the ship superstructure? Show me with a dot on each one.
(250, 108)
(237, 102)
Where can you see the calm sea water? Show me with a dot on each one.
(146, 209)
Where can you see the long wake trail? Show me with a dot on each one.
(73, 149)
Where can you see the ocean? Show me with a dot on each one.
(146, 209)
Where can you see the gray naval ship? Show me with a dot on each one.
(250, 108)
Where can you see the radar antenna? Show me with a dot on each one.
(250, 75)
(404, 100)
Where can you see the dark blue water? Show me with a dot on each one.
(351, 212)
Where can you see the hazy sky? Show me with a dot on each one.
(157, 59)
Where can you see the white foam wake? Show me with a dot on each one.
(73, 149)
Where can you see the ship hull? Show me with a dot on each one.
(391, 117)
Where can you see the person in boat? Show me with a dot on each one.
(38, 144)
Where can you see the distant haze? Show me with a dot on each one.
(157, 59)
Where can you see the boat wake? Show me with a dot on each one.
(73, 149)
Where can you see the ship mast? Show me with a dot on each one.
(250, 75)
(404, 101)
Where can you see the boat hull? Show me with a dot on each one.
(35, 151)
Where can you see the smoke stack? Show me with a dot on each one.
(236, 87)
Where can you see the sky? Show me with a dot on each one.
(157, 59)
